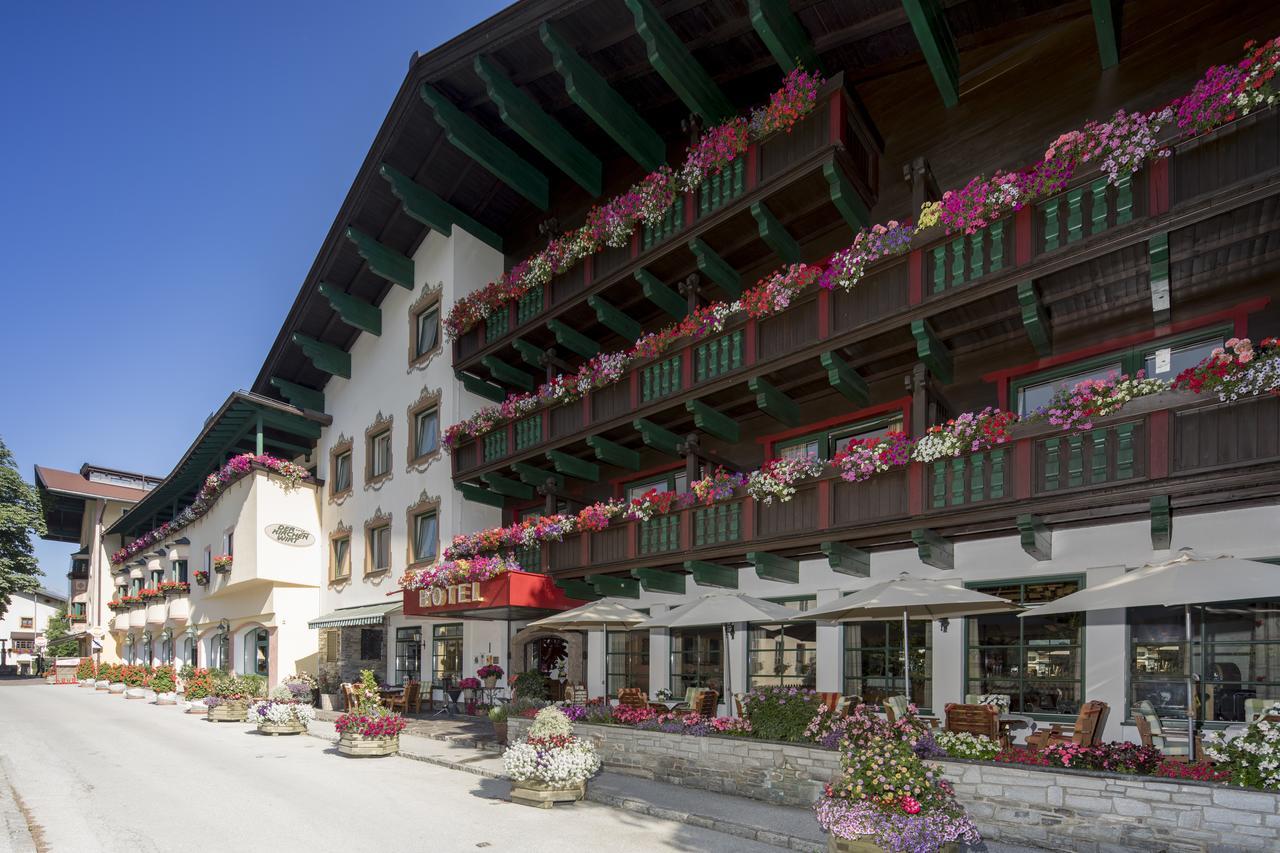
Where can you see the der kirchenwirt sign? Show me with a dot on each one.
(288, 534)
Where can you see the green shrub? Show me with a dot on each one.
(531, 684)
(780, 713)
(162, 680)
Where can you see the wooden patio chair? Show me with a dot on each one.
(895, 707)
(348, 696)
(831, 700)
(706, 703)
(981, 720)
(1087, 730)
(410, 698)
(632, 697)
(737, 703)
(1151, 733)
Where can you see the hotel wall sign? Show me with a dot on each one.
(458, 593)
(288, 534)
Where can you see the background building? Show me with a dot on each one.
(25, 621)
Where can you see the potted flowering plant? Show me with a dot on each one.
(169, 588)
(222, 564)
(202, 577)
(86, 672)
(135, 680)
(282, 713)
(303, 686)
(550, 765)
(228, 699)
(490, 673)
(164, 681)
(108, 676)
(196, 686)
(371, 729)
(776, 479)
(886, 797)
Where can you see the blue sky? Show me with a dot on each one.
(167, 172)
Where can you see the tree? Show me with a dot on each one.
(55, 633)
(20, 516)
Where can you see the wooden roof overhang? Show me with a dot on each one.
(730, 43)
(287, 432)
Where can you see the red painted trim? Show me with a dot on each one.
(915, 277)
(1022, 469)
(1158, 445)
(635, 244)
(824, 504)
(915, 488)
(1158, 187)
(1237, 314)
(836, 127)
(615, 483)
(824, 314)
(749, 341)
(686, 530)
(753, 165)
(1022, 237)
(686, 367)
(635, 390)
(690, 209)
(769, 440)
(749, 510)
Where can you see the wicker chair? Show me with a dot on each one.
(895, 707)
(1087, 730)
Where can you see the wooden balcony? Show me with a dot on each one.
(1193, 450)
(1170, 221)
(781, 173)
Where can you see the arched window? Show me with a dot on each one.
(189, 651)
(218, 651)
(257, 650)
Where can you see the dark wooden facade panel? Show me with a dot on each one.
(566, 420)
(566, 554)
(1226, 435)
(790, 330)
(1236, 153)
(610, 545)
(568, 285)
(611, 401)
(609, 261)
(784, 150)
(880, 294)
(799, 515)
(1085, 459)
(881, 497)
(1241, 243)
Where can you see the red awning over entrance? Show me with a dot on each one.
(511, 595)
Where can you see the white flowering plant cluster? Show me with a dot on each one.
(967, 745)
(1253, 759)
(280, 713)
(777, 478)
(551, 753)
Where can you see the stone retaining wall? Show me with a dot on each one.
(1053, 809)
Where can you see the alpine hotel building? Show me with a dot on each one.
(500, 141)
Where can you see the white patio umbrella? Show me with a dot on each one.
(723, 609)
(593, 615)
(910, 597)
(1183, 580)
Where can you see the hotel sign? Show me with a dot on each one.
(453, 594)
(288, 534)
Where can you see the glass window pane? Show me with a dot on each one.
(628, 661)
(1174, 360)
(342, 472)
(428, 331)
(840, 438)
(446, 652)
(1032, 397)
(427, 433)
(799, 450)
(696, 660)
(873, 668)
(425, 536)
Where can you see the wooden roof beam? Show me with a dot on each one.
(507, 486)
(783, 34)
(508, 374)
(675, 64)
(383, 260)
(661, 295)
(934, 550)
(487, 150)
(1036, 536)
(658, 438)
(1035, 319)
(846, 198)
(712, 574)
(932, 351)
(846, 559)
(615, 319)
(353, 311)
(537, 477)
(602, 104)
(716, 268)
(775, 235)
(771, 567)
(299, 395)
(578, 589)
(656, 580)
(1106, 22)
(572, 339)
(929, 23)
(324, 357)
(522, 114)
(773, 402)
(613, 453)
(615, 586)
(845, 379)
(572, 466)
(712, 422)
(480, 387)
(424, 206)
(476, 494)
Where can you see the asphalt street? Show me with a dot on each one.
(88, 772)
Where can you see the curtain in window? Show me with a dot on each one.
(428, 330)
(425, 535)
(428, 434)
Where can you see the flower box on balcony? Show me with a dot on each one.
(202, 578)
(222, 564)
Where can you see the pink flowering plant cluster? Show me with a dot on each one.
(613, 223)
(215, 484)
(717, 486)
(1237, 370)
(966, 433)
(370, 718)
(776, 480)
(1076, 407)
(1228, 92)
(462, 570)
(862, 458)
(847, 266)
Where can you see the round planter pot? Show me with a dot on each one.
(89, 683)
(544, 795)
(500, 732)
(166, 698)
(359, 746)
(102, 685)
(117, 688)
(282, 728)
(490, 682)
(847, 845)
(135, 693)
(229, 712)
(197, 707)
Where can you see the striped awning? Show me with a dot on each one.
(368, 614)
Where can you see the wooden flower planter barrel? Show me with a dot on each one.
(282, 728)
(544, 795)
(846, 845)
(359, 746)
(229, 712)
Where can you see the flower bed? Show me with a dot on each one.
(1117, 147)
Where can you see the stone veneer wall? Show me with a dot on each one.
(1052, 809)
(349, 663)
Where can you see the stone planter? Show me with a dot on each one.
(359, 746)
(135, 693)
(330, 702)
(490, 682)
(500, 732)
(89, 683)
(102, 685)
(117, 688)
(197, 707)
(281, 728)
(544, 795)
(845, 845)
(234, 711)
(166, 698)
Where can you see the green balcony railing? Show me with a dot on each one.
(970, 479)
(660, 534)
(530, 557)
(720, 189)
(1101, 455)
(660, 379)
(496, 325)
(495, 445)
(671, 222)
(528, 432)
(967, 258)
(1084, 210)
(713, 525)
(717, 356)
(529, 306)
